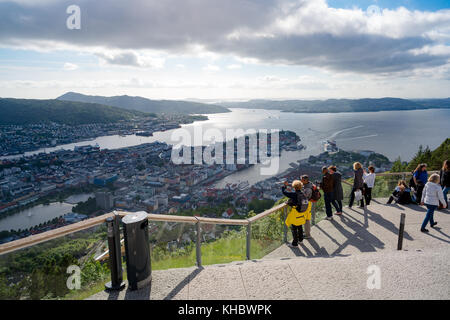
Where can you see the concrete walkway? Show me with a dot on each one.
(335, 264)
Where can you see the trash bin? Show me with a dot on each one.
(137, 250)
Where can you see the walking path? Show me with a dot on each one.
(332, 265)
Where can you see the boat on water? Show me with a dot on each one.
(243, 185)
(145, 133)
(330, 146)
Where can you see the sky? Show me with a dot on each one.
(225, 50)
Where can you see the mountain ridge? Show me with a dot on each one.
(34, 111)
(342, 105)
(146, 105)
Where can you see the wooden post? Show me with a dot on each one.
(249, 239)
(285, 229)
(198, 245)
(400, 231)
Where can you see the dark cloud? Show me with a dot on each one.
(175, 26)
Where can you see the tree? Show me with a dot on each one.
(399, 166)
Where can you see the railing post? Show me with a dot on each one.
(115, 255)
(400, 232)
(313, 214)
(198, 245)
(249, 239)
(284, 224)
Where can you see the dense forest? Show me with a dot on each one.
(433, 159)
(32, 111)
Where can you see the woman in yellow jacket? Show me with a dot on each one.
(296, 219)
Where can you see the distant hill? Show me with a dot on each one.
(147, 105)
(30, 111)
(341, 105)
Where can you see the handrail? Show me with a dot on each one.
(53, 234)
(267, 212)
(60, 232)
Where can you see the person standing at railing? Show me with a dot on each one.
(420, 178)
(369, 182)
(327, 185)
(296, 217)
(358, 183)
(308, 190)
(445, 179)
(338, 192)
(432, 195)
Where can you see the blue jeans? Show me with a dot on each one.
(429, 216)
(445, 190)
(329, 200)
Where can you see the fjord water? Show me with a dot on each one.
(392, 133)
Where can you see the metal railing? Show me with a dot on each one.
(72, 228)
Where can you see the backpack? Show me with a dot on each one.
(315, 195)
(302, 202)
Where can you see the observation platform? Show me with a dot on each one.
(334, 264)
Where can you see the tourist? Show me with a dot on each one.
(420, 178)
(327, 185)
(432, 195)
(338, 192)
(445, 179)
(295, 219)
(369, 182)
(308, 190)
(358, 183)
(401, 194)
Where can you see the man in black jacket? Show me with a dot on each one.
(327, 186)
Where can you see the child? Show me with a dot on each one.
(401, 194)
(369, 182)
(431, 196)
(295, 219)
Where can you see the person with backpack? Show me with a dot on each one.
(369, 182)
(445, 179)
(308, 189)
(338, 192)
(297, 216)
(420, 178)
(432, 195)
(358, 183)
(327, 185)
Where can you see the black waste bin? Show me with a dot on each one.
(137, 250)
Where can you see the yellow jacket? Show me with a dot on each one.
(298, 218)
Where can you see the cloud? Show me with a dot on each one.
(290, 32)
(211, 68)
(70, 66)
(234, 66)
(130, 58)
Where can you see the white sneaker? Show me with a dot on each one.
(329, 218)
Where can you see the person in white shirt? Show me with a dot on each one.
(369, 182)
(431, 196)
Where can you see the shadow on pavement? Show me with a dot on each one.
(183, 283)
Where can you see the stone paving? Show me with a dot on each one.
(335, 264)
